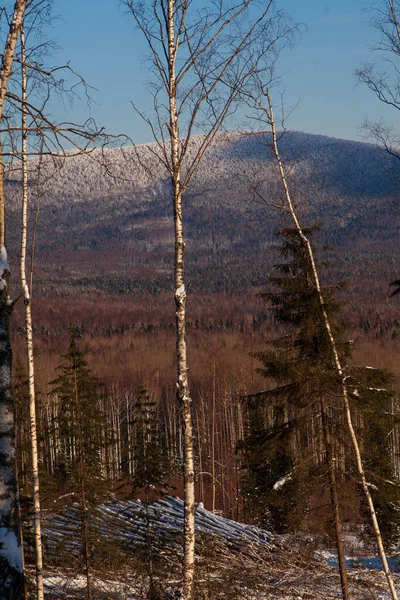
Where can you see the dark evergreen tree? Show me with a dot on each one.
(151, 464)
(81, 424)
(288, 447)
(295, 443)
(373, 400)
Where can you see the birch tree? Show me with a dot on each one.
(11, 572)
(193, 49)
(29, 334)
(262, 103)
(13, 91)
(384, 79)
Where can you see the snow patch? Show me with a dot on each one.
(4, 267)
(281, 481)
(10, 548)
(4, 257)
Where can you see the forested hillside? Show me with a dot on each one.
(115, 232)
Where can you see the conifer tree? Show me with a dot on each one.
(80, 420)
(299, 362)
(372, 399)
(151, 465)
(294, 445)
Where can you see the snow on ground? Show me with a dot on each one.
(234, 561)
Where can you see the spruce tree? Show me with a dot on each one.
(372, 399)
(80, 421)
(151, 465)
(295, 442)
(287, 445)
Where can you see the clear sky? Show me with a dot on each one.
(100, 40)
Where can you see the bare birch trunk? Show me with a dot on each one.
(29, 343)
(336, 360)
(185, 404)
(180, 308)
(11, 569)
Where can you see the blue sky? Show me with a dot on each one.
(100, 40)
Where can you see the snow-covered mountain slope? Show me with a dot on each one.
(118, 200)
(350, 168)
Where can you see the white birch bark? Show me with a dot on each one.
(183, 393)
(204, 100)
(29, 340)
(394, 18)
(336, 359)
(11, 565)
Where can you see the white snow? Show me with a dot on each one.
(4, 266)
(4, 258)
(125, 524)
(10, 549)
(281, 481)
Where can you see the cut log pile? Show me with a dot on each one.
(130, 524)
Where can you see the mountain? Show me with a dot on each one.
(105, 220)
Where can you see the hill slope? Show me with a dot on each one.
(109, 217)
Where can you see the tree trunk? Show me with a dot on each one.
(180, 314)
(186, 406)
(11, 571)
(336, 360)
(334, 500)
(29, 343)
